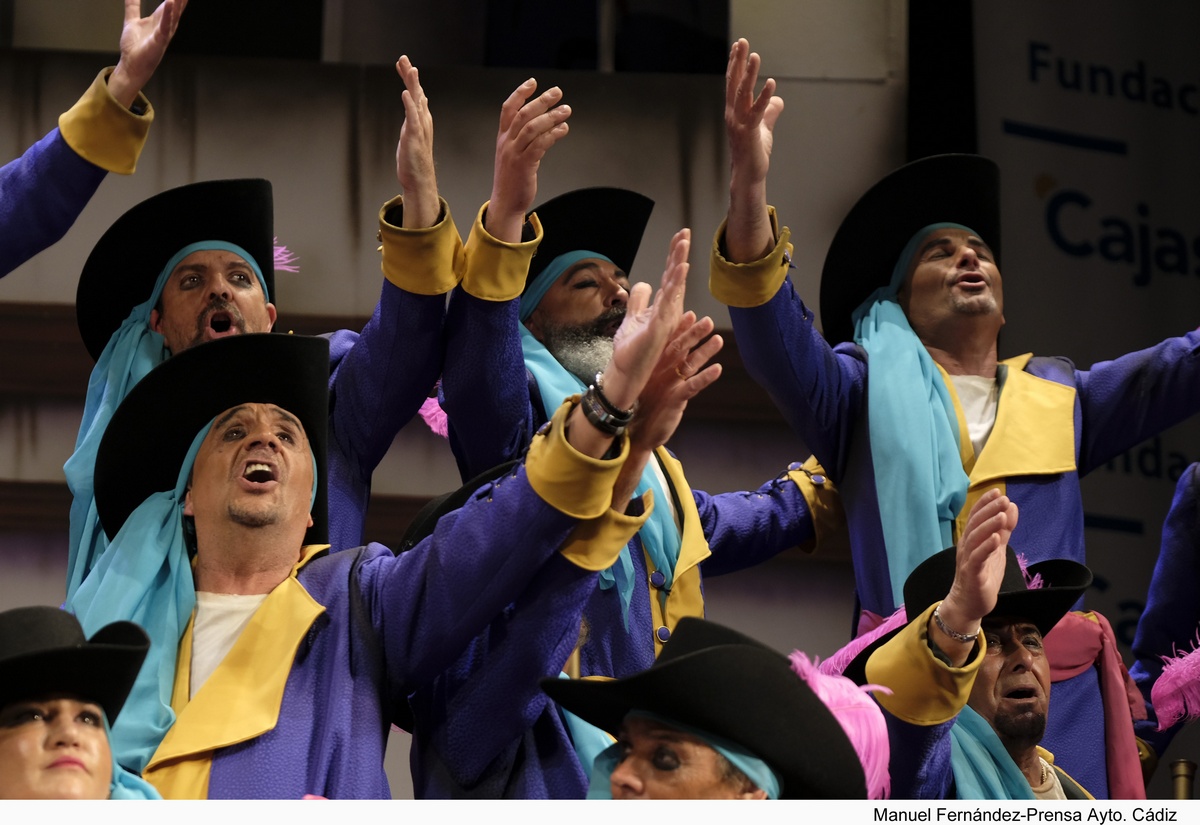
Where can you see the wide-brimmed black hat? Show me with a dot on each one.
(716, 680)
(43, 651)
(963, 189)
(126, 261)
(601, 219)
(1062, 583)
(150, 433)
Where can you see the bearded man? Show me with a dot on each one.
(536, 335)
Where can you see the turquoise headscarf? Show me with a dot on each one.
(130, 354)
(126, 785)
(982, 767)
(756, 770)
(919, 478)
(536, 290)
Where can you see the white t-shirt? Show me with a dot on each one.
(979, 397)
(220, 619)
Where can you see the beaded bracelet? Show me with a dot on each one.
(600, 417)
(953, 634)
(612, 408)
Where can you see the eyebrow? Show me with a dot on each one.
(945, 240)
(225, 418)
(592, 265)
(279, 413)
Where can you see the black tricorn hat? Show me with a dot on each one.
(43, 651)
(602, 219)
(126, 261)
(963, 189)
(1062, 583)
(150, 433)
(717, 680)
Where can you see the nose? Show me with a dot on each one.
(265, 439)
(624, 781)
(218, 289)
(615, 293)
(967, 256)
(64, 732)
(1020, 658)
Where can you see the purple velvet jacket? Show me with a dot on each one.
(484, 727)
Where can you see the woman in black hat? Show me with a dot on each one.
(58, 692)
(721, 716)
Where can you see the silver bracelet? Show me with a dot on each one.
(953, 634)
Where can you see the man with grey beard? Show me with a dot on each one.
(534, 331)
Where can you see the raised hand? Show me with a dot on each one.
(749, 127)
(681, 373)
(143, 43)
(529, 126)
(639, 342)
(414, 152)
(979, 562)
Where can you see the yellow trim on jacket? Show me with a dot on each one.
(242, 698)
(102, 131)
(925, 690)
(751, 284)
(824, 504)
(1034, 433)
(495, 270)
(568, 480)
(425, 261)
(685, 597)
(596, 544)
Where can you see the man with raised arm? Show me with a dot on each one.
(43, 191)
(905, 400)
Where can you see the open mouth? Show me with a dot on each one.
(971, 280)
(1021, 694)
(258, 473)
(220, 322)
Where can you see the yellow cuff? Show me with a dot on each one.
(755, 283)
(596, 544)
(496, 270)
(425, 261)
(926, 690)
(566, 479)
(824, 503)
(102, 131)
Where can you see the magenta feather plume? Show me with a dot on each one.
(836, 664)
(859, 716)
(435, 417)
(1176, 693)
(285, 259)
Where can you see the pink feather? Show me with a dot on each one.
(435, 417)
(1034, 582)
(859, 716)
(836, 664)
(285, 259)
(1176, 693)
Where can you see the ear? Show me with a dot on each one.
(155, 321)
(272, 314)
(534, 326)
(755, 793)
(188, 510)
(310, 521)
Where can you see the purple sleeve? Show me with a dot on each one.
(484, 385)
(1125, 401)
(819, 390)
(1172, 617)
(41, 194)
(382, 375)
(747, 528)
(430, 602)
(919, 763)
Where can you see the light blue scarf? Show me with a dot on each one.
(130, 354)
(756, 770)
(126, 785)
(145, 576)
(982, 767)
(659, 535)
(919, 477)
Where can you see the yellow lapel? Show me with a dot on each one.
(686, 597)
(1035, 428)
(241, 699)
